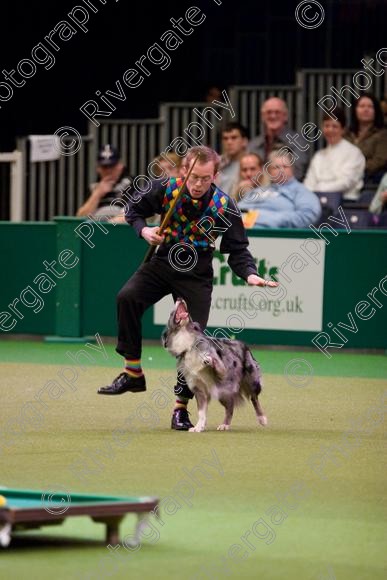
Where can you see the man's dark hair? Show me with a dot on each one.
(238, 127)
(378, 120)
(338, 112)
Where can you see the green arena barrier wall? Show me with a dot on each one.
(61, 278)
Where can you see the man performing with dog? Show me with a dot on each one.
(182, 265)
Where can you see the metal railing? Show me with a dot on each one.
(248, 100)
(182, 120)
(314, 84)
(138, 141)
(11, 184)
(59, 187)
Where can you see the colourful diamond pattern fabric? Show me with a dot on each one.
(180, 228)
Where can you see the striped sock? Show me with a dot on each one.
(181, 403)
(133, 367)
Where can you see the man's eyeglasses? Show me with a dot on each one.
(272, 112)
(195, 178)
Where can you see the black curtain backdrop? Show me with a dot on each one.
(244, 42)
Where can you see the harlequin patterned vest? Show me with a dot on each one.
(183, 229)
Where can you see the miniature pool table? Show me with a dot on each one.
(26, 509)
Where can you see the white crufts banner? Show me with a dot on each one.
(297, 304)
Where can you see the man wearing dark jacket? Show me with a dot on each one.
(182, 265)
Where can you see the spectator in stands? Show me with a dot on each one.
(339, 167)
(274, 114)
(167, 164)
(285, 203)
(234, 141)
(251, 175)
(383, 106)
(379, 203)
(183, 167)
(214, 93)
(104, 200)
(368, 133)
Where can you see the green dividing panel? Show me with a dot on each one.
(355, 264)
(101, 257)
(108, 255)
(69, 289)
(23, 249)
(116, 255)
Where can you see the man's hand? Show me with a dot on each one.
(246, 184)
(108, 182)
(103, 187)
(254, 280)
(151, 235)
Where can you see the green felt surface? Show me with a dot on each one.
(301, 499)
(17, 498)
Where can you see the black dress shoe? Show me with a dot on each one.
(180, 420)
(124, 383)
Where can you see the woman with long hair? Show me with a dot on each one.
(368, 133)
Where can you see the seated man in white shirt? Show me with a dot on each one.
(340, 166)
(285, 203)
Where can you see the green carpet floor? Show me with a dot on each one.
(301, 499)
(273, 361)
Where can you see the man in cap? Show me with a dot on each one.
(105, 200)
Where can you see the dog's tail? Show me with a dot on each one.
(253, 378)
(252, 373)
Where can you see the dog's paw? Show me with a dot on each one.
(223, 427)
(196, 429)
(262, 420)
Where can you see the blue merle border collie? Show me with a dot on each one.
(220, 368)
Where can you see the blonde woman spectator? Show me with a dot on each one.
(163, 166)
(339, 167)
(167, 165)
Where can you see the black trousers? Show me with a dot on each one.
(148, 285)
